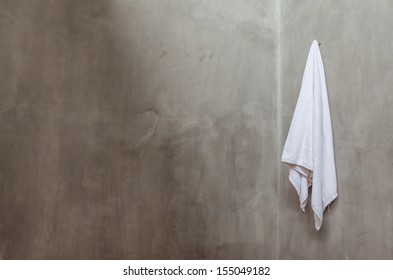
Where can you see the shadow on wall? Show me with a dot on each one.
(103, 159)
(74, 125)
(69, 128)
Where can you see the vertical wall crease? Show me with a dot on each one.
(279, 113)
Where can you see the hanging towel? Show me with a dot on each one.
(308, 150)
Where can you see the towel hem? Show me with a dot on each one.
(303, 203)
(317, 218)
(296, 163)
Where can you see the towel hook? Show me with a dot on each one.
(319, 43)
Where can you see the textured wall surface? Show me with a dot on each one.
(151, 129)
(356, 48)
(138, 129)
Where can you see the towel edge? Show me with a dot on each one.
(319, 220)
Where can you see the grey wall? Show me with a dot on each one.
(356, 48)
(138, 129)
(152, 129)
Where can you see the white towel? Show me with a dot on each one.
(309, 148)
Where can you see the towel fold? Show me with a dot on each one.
(308, 150)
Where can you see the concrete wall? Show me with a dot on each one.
(138, 129)
(152, 129)
(356, 48)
